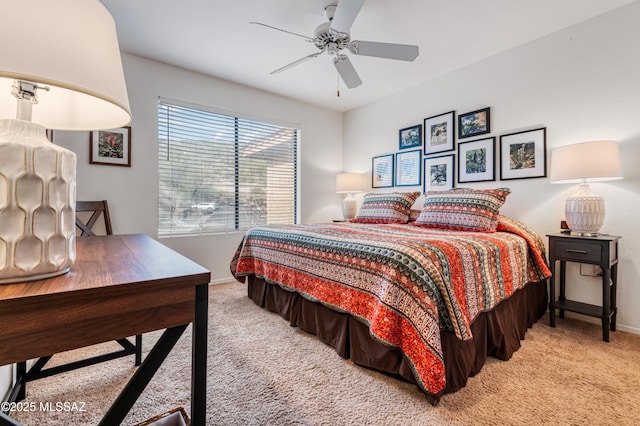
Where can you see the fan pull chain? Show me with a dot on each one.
(338, 84)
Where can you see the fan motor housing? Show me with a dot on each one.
(332, 40)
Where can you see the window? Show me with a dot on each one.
(220, 173)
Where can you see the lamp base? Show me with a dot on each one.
(34, 277)
(37, 204)
(349, 207)
(584, 212)
(583, 234)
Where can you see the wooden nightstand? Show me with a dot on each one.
(602, 251)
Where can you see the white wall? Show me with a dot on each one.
(582, 83)
(133, 192)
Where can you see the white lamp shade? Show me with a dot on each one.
(586, 162)
(348, 182)
(71, 46)
(583, 163)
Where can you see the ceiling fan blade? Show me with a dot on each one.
(402, 52)
(347, 71)
(294, 63)
(345, 14)
(284, 31)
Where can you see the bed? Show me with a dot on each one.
(427, 304)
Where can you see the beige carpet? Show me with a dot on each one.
(262, 372)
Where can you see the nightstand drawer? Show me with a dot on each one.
(577, 250)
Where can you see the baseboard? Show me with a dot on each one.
(628, 329)
(596, 321)
(223, 280)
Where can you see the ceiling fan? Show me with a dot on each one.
(333, 37)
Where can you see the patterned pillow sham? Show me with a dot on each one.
(386, 207)
(463, 209)
(414, 214)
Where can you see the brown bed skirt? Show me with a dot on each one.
(496, 333)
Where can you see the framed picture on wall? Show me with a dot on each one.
(523, 155)
(410, 137)
(474, 123)
(382, 171)
(439, 173)
(408, 168)
(110, 147)
(439, 133)
(476, 160)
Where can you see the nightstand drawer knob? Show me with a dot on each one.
(576, 251)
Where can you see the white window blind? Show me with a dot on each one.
(220, 173)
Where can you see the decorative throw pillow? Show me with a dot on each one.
(386, 208)
(463, 209)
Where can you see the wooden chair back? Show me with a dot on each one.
(92, 210)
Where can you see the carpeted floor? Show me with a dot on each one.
(263, 372)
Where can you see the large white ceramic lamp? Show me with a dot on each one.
(582, 163)
(349, 183)
(60, 68)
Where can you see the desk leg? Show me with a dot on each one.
(142, 377)
(199, 357)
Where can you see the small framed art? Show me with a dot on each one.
(410, 137)
(439, 173)
(408, 168)
(474, 123)
(382, 171)
(111, 147)
(439, 132)
(523, 155)
(476, 160)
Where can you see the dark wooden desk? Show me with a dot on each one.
(120, 285)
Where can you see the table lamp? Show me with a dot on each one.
(582, 163)
(60, 68)
(349, 183)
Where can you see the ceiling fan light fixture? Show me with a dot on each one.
(330, 11)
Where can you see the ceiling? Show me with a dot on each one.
(214, 37)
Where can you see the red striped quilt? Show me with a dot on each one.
(406, 283)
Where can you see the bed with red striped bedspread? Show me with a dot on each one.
(406, 283)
